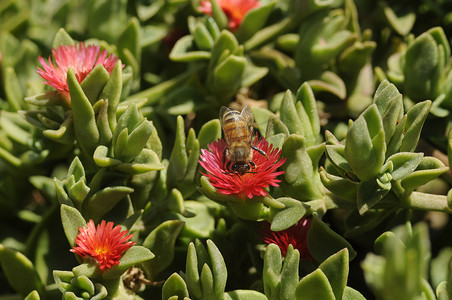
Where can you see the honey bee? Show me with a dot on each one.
(238, 132)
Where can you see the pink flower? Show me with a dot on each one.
(235, 10)
(81, 58)
(105, 244)
(295, 236)
(249, 184)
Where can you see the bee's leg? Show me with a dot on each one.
(223, 159)
(261, 152)
(253, 165)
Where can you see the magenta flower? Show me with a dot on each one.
(249, 184)
(295, 236)
(235, 10)
(81, 58)
(105, 244)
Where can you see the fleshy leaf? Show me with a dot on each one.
(428, 169)
(314, 286)
(365, 147)
(335, 268)
(404, 164)
(209, 132)
(369, 193)
(284, 218)
(244, 295)
(84, 118)
(19, 271)
(72, 220)
(161, 242)
(324, 242)
(174, 286)
(133, 256)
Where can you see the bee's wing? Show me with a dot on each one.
(247, 115)
(223, 111)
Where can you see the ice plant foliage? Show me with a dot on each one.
(235, 10)
(105, 244)
(249, 184)
(80, 57)
(295, 236)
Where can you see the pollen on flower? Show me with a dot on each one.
(105, 244)
(80, 57)
(235, 10)
(295, 236)
(250, 184)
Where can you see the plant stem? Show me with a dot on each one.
(155, 93)
(424, 201)
(268, 33)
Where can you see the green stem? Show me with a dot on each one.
(8, 157)
(268, 33)
(155, 93)
(424, 201)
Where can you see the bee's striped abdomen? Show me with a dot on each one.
(235, 128)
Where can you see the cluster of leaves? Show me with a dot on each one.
(124, 146)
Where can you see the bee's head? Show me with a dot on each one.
(240, 168)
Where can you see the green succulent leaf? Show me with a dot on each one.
(101, 158)
(314, 286)
(307, 112)
(13, 91)
(416, 117)
(365, 144)
(62, 38)
(174, 286)
(218, 15)
(112, 93)
(352, 294)
(390, 106)
(178, 160)
(342, 187)
(20, 272)
(271, 271)
(323, 241)
(146, 161)
(133, 256)
(289, 114)
(94, 83)
(355, 57)
(192, 277)
(227, 75)
(301, 172)
(336, 269)
(209, 132)
(428, 169)
(104, 200)
(254, 20)
(182, 51)
(289, 274)
(203, 38)
(244, 295)
(440, 267)
(421, 67)
(404, 164)
(84, 118)
(72, 220)
(161, 242)
(329, 82)
(34, 295)
(369, 193)
(275, 126)
(284, 218)
(78, 286)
